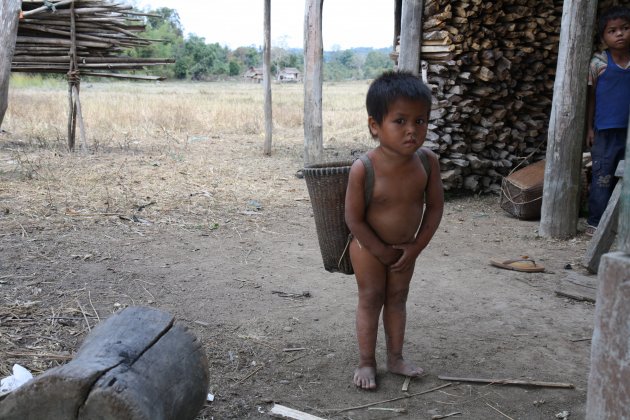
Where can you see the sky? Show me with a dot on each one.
(239, 23)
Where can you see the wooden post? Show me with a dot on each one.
(397, 19)
(608, 395)
(313, 77)
(560, 204)
(410, 36)
(267, 79)
(607, 230)
(9, 19)
(137, 364)
(74, 81)
(623, 236)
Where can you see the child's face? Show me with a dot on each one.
(617, 34)
(404, 127)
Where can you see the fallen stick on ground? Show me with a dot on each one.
(509, 382)
(251, 374)
(445, 416)
(499, 411)
(405, 386)
(392, 400)
(283, 412)
(393, 410)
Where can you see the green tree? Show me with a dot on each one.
(247, 56)
(235, 68)
(166, 16)
(376, 63)
(343, 65)
(199, 57)
(167, 29)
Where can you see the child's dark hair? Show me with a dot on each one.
(393, 85)
(615, 12)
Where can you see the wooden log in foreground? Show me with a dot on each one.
(138, 364)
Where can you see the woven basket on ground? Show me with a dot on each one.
(327, 183)
(522, 191)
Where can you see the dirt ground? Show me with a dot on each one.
(251, 285)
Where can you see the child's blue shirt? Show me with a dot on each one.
(612, 96)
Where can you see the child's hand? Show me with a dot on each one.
(590, 138)
(406, 261)
(390, 256)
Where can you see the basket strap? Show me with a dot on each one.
(369, 172)
(422, 153)
(369, 178)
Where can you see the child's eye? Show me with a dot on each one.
(420, 121)
(399, 121)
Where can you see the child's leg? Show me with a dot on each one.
(607, 151)
(371, 282)
(395, 320)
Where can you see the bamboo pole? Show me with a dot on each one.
(267, 79)
(313, 80)
(73, 82)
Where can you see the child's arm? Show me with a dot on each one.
(434, 202)
(590, 115)
(355, 217)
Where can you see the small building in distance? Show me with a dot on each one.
(289, 74)
(254, 74)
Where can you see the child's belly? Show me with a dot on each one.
(395, 224)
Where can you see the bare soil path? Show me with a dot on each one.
(255, 288)
(171, 210)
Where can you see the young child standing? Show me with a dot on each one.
(392, 229)
(608, 108)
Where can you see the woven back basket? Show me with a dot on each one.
(522, 191)
(327, 183)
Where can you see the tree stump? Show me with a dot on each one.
(138, 364)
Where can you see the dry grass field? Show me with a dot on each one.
(160, 129)
(172, 204)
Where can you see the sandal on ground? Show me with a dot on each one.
(590, 230)
(523, 264)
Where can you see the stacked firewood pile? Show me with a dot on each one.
(102, 31)
(491, 67)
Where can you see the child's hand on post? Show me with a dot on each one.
(590, 138)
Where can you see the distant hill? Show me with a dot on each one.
(359, 51)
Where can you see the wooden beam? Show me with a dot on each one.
(606, 231)
(313, 80)
(623, 237)
(608, 392)
(9, 18)
(410, 36)
(267, 79)
(560, 205)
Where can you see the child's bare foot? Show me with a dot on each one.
(403, 367)
(365, 377)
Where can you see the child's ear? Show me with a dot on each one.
(373, 126)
